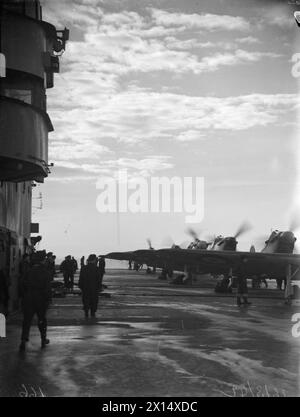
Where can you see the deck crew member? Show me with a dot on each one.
(90, 283)
(242, 290)
(36, 286)
(67, 268)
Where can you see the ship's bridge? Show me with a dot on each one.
(30, 49)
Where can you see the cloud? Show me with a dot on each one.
(193, 43)
(175, 43)
(284, 22)
(139, 116)
(280, 16)
(135, 168)
(77, 14)
(86, 150)
(113, 56)
(115, 45)
(215, 61)
(209, 22)
(190, 135)
(100, 117)
(248, 40)
(69, 179)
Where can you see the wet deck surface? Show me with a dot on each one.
(153, 339)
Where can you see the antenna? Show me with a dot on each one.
(118, 214)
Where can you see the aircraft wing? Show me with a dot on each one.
(143, 256)
(120, 256)
(177, 259)
(274, 265)
(218, 262)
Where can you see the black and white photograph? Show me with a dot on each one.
(149, 201)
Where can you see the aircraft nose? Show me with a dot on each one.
(289, 235)
(288, 240)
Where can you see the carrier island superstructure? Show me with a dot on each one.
(29, 56)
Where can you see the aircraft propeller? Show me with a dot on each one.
(149, 243)
(198, 235)
(191, 232)
(294, 222)
(244, 227)
(294, 225)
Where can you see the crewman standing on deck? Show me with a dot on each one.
(67, 268)
(101, 265)
(36, 298)
(90, 283)
(241, 283)
(75, 264)
(50, 264)
(242, 291)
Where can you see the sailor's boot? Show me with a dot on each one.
(42, 325)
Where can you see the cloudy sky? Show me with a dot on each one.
(197, 88)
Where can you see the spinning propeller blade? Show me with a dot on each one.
(244, 227)
(294, 222)
(149, 243)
